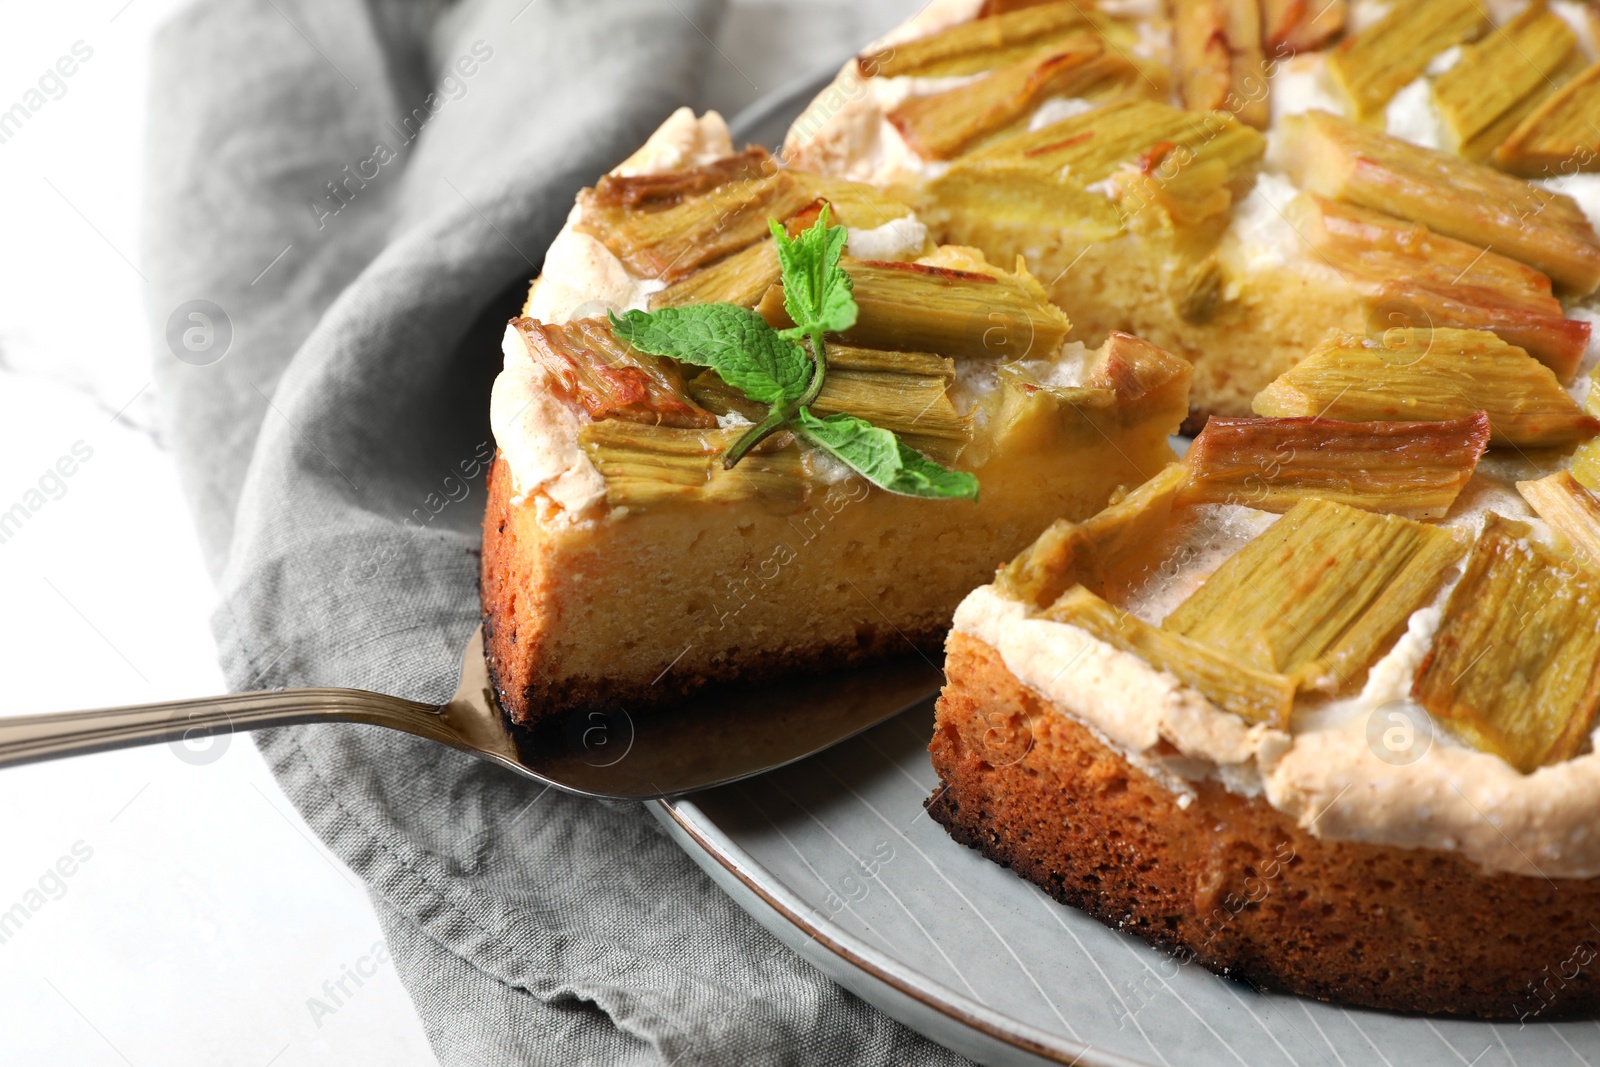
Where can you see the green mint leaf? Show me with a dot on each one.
(882, 459)
(816, 290)
(733, 341)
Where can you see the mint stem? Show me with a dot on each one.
(781, 415)
(776, 419)
(819, 360)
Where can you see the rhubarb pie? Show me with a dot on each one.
(755, 420)
(1313, 706)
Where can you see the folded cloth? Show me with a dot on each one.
(351, 195)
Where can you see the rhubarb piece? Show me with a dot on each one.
(608, 379)
(742, 278)
(1320, 594)
(943, 125)
(648, 466)
(695, 230)
(1189, 165)
(982, 44)
(1456, 197)
(1571, 510)
(1037, 394)
(1089, 552)
(1217, 51)
(1540, 330)
(850, 203)
(1378, 245)
(1132, 368)
(903, 392)
(805, 218)
(1515, 666)
(1412, 277)
(1254, 695)
(1192, 177)
(877, 360)
(1289, 27)
(1501, 79)
(1558, 136)
(664, 189)
(960, 313)
(1431, 374)
(1149, 135)
(907, 404)
(1412, 469)
(1382, 59)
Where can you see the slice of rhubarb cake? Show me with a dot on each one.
(754, 421)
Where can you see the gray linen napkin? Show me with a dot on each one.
(357, 191)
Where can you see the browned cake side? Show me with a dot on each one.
(523, 585)
(1237, 886)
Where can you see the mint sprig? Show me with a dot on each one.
(770, 367)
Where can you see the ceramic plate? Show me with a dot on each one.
(836, 856)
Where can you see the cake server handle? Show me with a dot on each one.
(598, 752)
(31, 738)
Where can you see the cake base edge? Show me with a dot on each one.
(1238, 887)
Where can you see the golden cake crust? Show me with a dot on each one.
(1235, 885)
(522, 607)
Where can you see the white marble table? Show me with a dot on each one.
(159, 906)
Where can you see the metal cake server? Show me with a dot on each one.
(715, 738)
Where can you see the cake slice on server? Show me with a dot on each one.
(753, 421)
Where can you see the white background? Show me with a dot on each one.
(207, 915)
